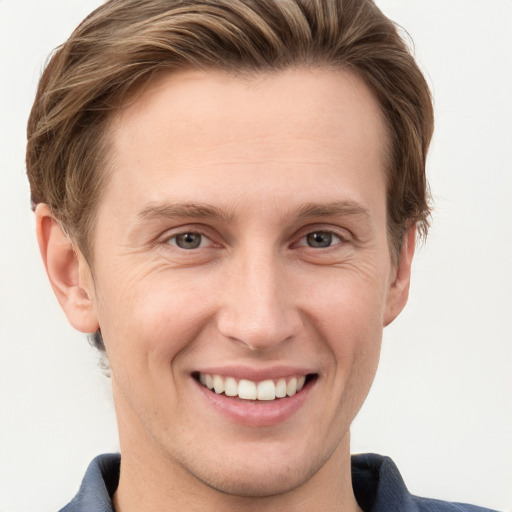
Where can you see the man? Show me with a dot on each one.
(227, 195)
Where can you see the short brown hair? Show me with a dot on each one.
(123, 43)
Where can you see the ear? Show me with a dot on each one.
(399, 288)
(68, 271)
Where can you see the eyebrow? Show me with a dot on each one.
(189, 210)
(206, 211)
(344, 208)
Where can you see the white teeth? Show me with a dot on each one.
(218, 384)
(291, 387)
(231, 387)
(248, 390)
(266, 390)
(281, 388)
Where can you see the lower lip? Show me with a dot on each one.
(257, 413)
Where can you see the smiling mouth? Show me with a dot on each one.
(244, 389)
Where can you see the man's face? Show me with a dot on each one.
(242, 235)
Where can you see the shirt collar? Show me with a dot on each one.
(98, 486)
(378, 486)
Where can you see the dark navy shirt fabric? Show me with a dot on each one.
(377, 483)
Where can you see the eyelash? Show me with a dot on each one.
(342, 238)
(169, 239)
(331, 239)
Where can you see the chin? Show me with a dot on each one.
(260, 472)
(264, 482)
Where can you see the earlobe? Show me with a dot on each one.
(67, 270)
(399, 288)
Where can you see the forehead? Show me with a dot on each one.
(281, 132)
(309, 101)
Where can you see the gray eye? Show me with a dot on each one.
(188, 240)
(319, 239)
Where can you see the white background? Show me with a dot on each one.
(441, 405)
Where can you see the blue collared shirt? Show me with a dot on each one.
(378, 487)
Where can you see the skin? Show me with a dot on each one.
(248, 157)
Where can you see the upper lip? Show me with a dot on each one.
(256, 374)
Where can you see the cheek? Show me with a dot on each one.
(353, 297)
(349, 316)
(356, 335)
(149, 318)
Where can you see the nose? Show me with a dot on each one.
(258, 308)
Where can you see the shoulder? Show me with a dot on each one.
(379, 487)
(98, 486)
(430, 505)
